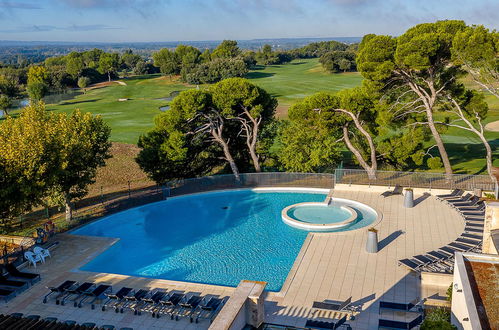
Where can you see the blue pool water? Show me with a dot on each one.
(319, 214)
(216, 238)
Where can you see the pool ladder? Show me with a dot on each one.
(329, 198)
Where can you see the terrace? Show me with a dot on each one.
(329, 265)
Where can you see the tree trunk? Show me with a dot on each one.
(69, 208)
(109, 76)
(371, 170)
(252, 137)
(440, 144)
(229, 159)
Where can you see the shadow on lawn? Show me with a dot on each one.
(258, 75)
(78, 102)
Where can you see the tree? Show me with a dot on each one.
(83, 146)
(37, 82)
(28, 159)
(345, 65)
(140, 68)
(477, 49)
(301, 148)
(74, 64)
(251, 106)
(216, 70)
(337, 61)
(415, 69)
(226, 49)
(130, 60)
(468, 111)
(5, 103)
(83, 82)
(109, 63)
(166, 61)
(171, 150)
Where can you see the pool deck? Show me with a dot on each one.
(336, 266)
(330, 266)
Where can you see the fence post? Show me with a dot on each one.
(101, 196)
(129, 192)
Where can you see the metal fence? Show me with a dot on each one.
(416, 180)
(250, 180)
(107, 200)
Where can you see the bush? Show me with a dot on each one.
(437, 319)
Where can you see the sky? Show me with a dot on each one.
(182, 20)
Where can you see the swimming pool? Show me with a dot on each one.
(216, 238)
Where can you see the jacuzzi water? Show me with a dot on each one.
(216, 238)
(319, 214)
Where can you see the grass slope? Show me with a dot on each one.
(128, 119)
(291, 82)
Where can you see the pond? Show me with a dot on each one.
(169, 99)
(54, 98)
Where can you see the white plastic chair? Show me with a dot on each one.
(41, 252)
(32, 258)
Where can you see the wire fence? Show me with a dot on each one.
(107, 200)
(251, 180)
(416, 180)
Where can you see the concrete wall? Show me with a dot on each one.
(491, 224)
(464, 314)
(245, 306)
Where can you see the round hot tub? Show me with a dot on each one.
(337, 215)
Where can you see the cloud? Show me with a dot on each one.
(115, 4)
(18, 5)
(71, 28)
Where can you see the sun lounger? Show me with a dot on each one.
(389, 324)
(475, 236)
(209, 310)
(133, 301)
(317, 324)
(397, 190)
(75, 294)
(471, 202)
(463, 198)
(169, 304)
(388, 305)
(114, 300)
(334, 305)
(151, 303)
(19, 285)
(60, 290)
(468, 241)
(411, 264)
(187, 306)
(14, 272)
(459, 246)
(98, 293)
(7, 294)
(454, 194)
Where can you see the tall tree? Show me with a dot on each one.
(167, 62)
(226, 49)
(251, 106)
(477, 50)
(83, 145)
(109, 63)
(74, 64)
(416, 69)
(37, 82)
(28, 158)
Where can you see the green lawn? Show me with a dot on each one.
(300, 78)
(129, 119)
